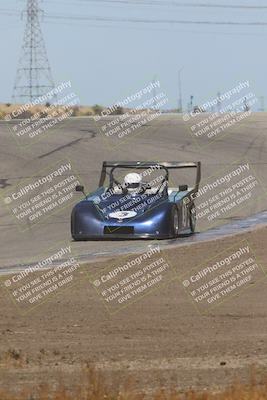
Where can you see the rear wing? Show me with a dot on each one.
(166, 165)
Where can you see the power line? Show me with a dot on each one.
(155, 29)
(168, 4)
(83, 18)
(152, 21)
(94, 18)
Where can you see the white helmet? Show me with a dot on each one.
(132, 181)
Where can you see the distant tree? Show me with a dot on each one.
(97, 109)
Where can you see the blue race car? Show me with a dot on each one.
(135, 206)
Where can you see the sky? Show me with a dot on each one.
(109, 60)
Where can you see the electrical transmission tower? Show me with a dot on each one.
(34, 77)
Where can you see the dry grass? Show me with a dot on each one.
(93, 386)
(42, 111)
(46, 111)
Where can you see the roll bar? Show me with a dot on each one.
(166, 165)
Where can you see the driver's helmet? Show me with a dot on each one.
(133, 182)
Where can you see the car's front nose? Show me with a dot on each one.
(89, 223)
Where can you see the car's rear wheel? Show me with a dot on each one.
(175, 222)
(193, 218)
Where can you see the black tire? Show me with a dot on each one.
(193, 219)
(174, 222)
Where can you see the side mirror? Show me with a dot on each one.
(183, 188)
(80, 188)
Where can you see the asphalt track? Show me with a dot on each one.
(80, 140)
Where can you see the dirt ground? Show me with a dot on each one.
(161, 339)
